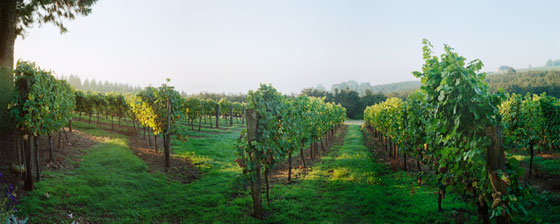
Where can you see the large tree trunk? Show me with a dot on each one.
(7, 41)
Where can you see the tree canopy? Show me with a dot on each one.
(49, 11)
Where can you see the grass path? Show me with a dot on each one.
(349, 187)
(112, 185)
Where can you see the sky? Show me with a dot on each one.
(233, 46)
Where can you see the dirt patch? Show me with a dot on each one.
(381, 155)
(549, 155)
(280, 173)
(540, 180)
(66, 155)
(549, 183)
(70, 151)
(181, 169)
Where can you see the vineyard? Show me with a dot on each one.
(467, 137)
(449, 152)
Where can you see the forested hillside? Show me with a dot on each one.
(533, 81)
(385, 88)
(99, 86)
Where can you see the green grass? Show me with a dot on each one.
(547, 209)
(205, 129)
(348, 187)
(551, 166)
(112, 185)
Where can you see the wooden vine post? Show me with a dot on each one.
(244, 116)
(496, 163)
(231, 115)
(201, 115)
(167, 138)
(252, 135)
(29, 162)
(217, 115)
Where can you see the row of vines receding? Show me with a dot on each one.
(455, 127)
(277, 126)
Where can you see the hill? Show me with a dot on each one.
(530, 80)
(533, 81)
(385, 88)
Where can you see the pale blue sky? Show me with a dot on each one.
(232, 46)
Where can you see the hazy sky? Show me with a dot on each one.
(232, 46)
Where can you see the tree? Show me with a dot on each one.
(15, 17)
(371, 99)
(351, 101)
(313, 92)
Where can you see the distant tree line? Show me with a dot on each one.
(349, 99)
(99, 86)
(550, 62)
(520, 82)
(505, 68)
(232, 97)
(361, 88)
